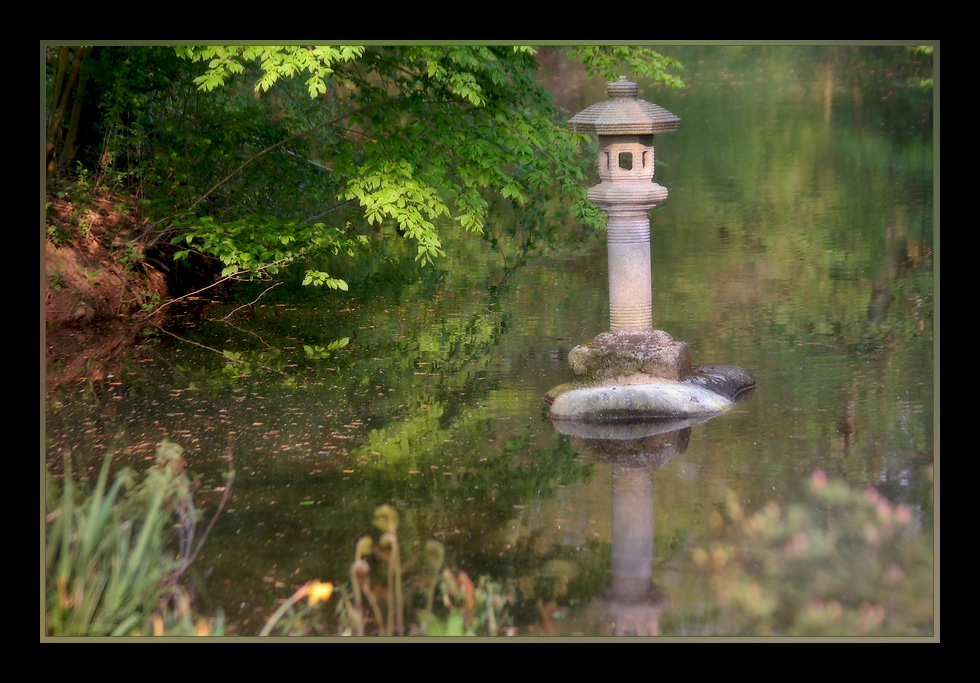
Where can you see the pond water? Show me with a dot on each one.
(797, 243)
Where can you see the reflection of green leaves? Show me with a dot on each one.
(323, 352)
(236, 365)
(411, 440)
(315, 352)
(516, 444)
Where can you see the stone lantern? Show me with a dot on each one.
(625, 127)
(633, 371)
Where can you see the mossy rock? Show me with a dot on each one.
(644, 356)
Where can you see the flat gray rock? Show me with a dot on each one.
(709, 390)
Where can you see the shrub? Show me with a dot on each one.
(844, 562)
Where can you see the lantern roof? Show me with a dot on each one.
(623, 114)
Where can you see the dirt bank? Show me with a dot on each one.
(98, 290)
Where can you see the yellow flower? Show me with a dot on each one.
(319, 591)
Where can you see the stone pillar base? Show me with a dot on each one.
(630, 357)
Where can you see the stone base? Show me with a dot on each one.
(633, 357)
(708, 390)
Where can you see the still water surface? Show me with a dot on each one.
(797, 242)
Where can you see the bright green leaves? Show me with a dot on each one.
(392, 190)
(223, 61)
(258, 245)
(467, 71)
(277, 61)
(319, 61)
(612, 61)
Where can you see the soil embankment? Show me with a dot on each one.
(97, 290)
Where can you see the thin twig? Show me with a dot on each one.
(233, 276)
(273, 146)
(252, 302)
(225, 496)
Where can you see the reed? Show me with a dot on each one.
(113, 552)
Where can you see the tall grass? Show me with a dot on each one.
(114, 553)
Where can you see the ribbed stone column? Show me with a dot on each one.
(627, 204)
(630, 288)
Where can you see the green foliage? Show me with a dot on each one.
(843, 563)
(108, 559)
(219, 142)
(421, 133)
(281, 61)
(110, 569)
(609, 61)
(391, 190)
(323, 352)
(253, 246)
(470, 608)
